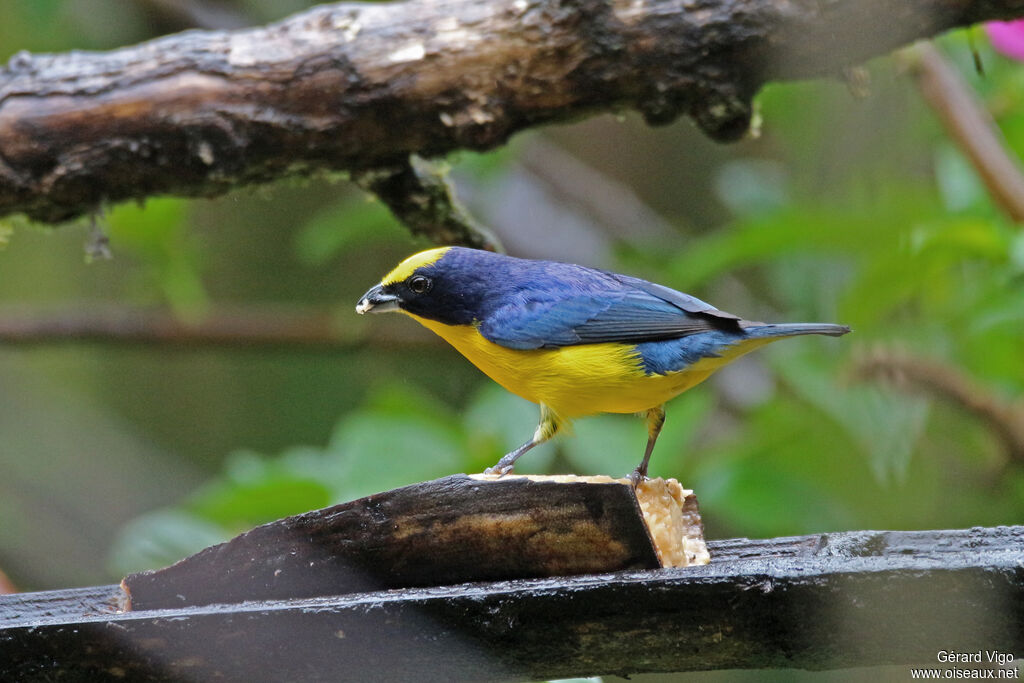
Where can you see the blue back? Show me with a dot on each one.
(528, 304)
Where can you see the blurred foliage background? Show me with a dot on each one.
(116, 457)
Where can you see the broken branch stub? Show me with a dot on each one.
(442, 532)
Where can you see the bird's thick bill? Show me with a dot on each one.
(377, 301)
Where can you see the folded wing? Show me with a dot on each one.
(603, 307)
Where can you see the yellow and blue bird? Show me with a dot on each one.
(576, 341)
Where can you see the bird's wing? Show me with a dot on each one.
(616, 309)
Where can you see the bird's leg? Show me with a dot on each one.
(655, 421)
(547, 428)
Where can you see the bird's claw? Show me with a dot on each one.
(499, 470)
(636, 477)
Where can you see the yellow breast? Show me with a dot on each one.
(573, 380)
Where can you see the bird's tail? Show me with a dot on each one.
(772, 331)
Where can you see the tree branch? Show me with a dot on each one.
(420, 196)
(971, 127)
(221, 327)
(361, 86)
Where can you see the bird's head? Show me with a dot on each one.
(446, 284)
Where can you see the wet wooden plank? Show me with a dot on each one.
(816, 602)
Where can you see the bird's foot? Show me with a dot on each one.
(507, 462)
(636, 477)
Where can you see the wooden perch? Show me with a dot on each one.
(814, 602)
(451, 530)
(363, 86)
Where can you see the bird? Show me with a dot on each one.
(577, 341)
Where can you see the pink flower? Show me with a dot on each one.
(1007, 37)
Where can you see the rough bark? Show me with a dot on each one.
(363, 86)
(816, 602)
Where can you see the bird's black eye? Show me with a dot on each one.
(419, 284)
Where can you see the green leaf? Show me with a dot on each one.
(751, 187)
(496, 422)
(1016, 253)
(486, 166)
(161, 538)
(400, 439)
(764, 501)
(953, 239)
(957, 180)
(888, 426)
(256, 490)
(158, 233)
(615, 444)
(606, 444)
(354, 222)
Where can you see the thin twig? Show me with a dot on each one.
(971, 127)
(218, 328)
(952, 384)
(612, 204)
(6, 587)
(202, 13)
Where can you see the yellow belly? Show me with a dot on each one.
(575, 380)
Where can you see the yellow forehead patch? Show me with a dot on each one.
(409, 265)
